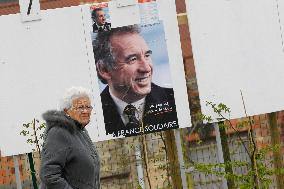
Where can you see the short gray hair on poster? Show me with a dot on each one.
(102, 46)
(71, 94)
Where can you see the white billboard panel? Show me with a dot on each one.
(39, 61)
(238, 45)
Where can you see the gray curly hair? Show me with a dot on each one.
(71, 94)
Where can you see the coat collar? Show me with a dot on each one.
(56, 118)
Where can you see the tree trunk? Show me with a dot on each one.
(227, 158)
(275, 140)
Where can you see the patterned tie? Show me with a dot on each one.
(129, 110)
(101, 28)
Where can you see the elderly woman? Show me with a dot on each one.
(69, 159)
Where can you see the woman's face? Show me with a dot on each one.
(81, 110)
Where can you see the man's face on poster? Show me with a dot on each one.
(131, 77)
(100, 17)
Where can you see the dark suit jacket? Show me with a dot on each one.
(159, 113)
(105, 27)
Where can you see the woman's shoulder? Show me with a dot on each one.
(58, 137)
(58, 132)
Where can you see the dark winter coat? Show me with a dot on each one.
(69, 159)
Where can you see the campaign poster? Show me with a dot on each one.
(100, 18)
(134, 75)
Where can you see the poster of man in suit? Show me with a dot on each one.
(100, 17)
(133, 68)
